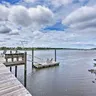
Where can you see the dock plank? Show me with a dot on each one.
(9, 84)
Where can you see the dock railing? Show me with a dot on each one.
(17, 59)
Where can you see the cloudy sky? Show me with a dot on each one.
(48, 23)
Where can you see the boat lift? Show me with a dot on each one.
(45, 64)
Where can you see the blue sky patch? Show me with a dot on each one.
(85, 2)
(58, 26)
(9, 1)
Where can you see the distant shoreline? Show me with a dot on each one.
(41, 48)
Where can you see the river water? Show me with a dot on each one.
(70, 78)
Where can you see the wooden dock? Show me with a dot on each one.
(40, 66)
(9, 85)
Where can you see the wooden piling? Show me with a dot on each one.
(32, 57)
(15, 71)
(12, 60)
(55, 54)
(10, 68)
(16, 66)
(25, 69)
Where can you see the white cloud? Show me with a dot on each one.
(82, 24)
(83, 17)
(91, 3)
(29, 1)
(82, 29)
(82, 0)
(50, 39)
(14, 32)
(85, 24)
(42, 17)
(19, 15)
(56, 3)
(4, 12)
(4, 29)
(34, 17)
(61, 2)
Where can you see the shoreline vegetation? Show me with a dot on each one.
(41, 48)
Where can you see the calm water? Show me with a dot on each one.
(71, 78)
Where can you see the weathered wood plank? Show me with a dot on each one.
(10, 89)
(20, 92)
(8, 83)
(5, 76)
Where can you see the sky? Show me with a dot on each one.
(48, 23)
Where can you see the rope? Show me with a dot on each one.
(29, 54)
(36, 57)
(33, 62)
